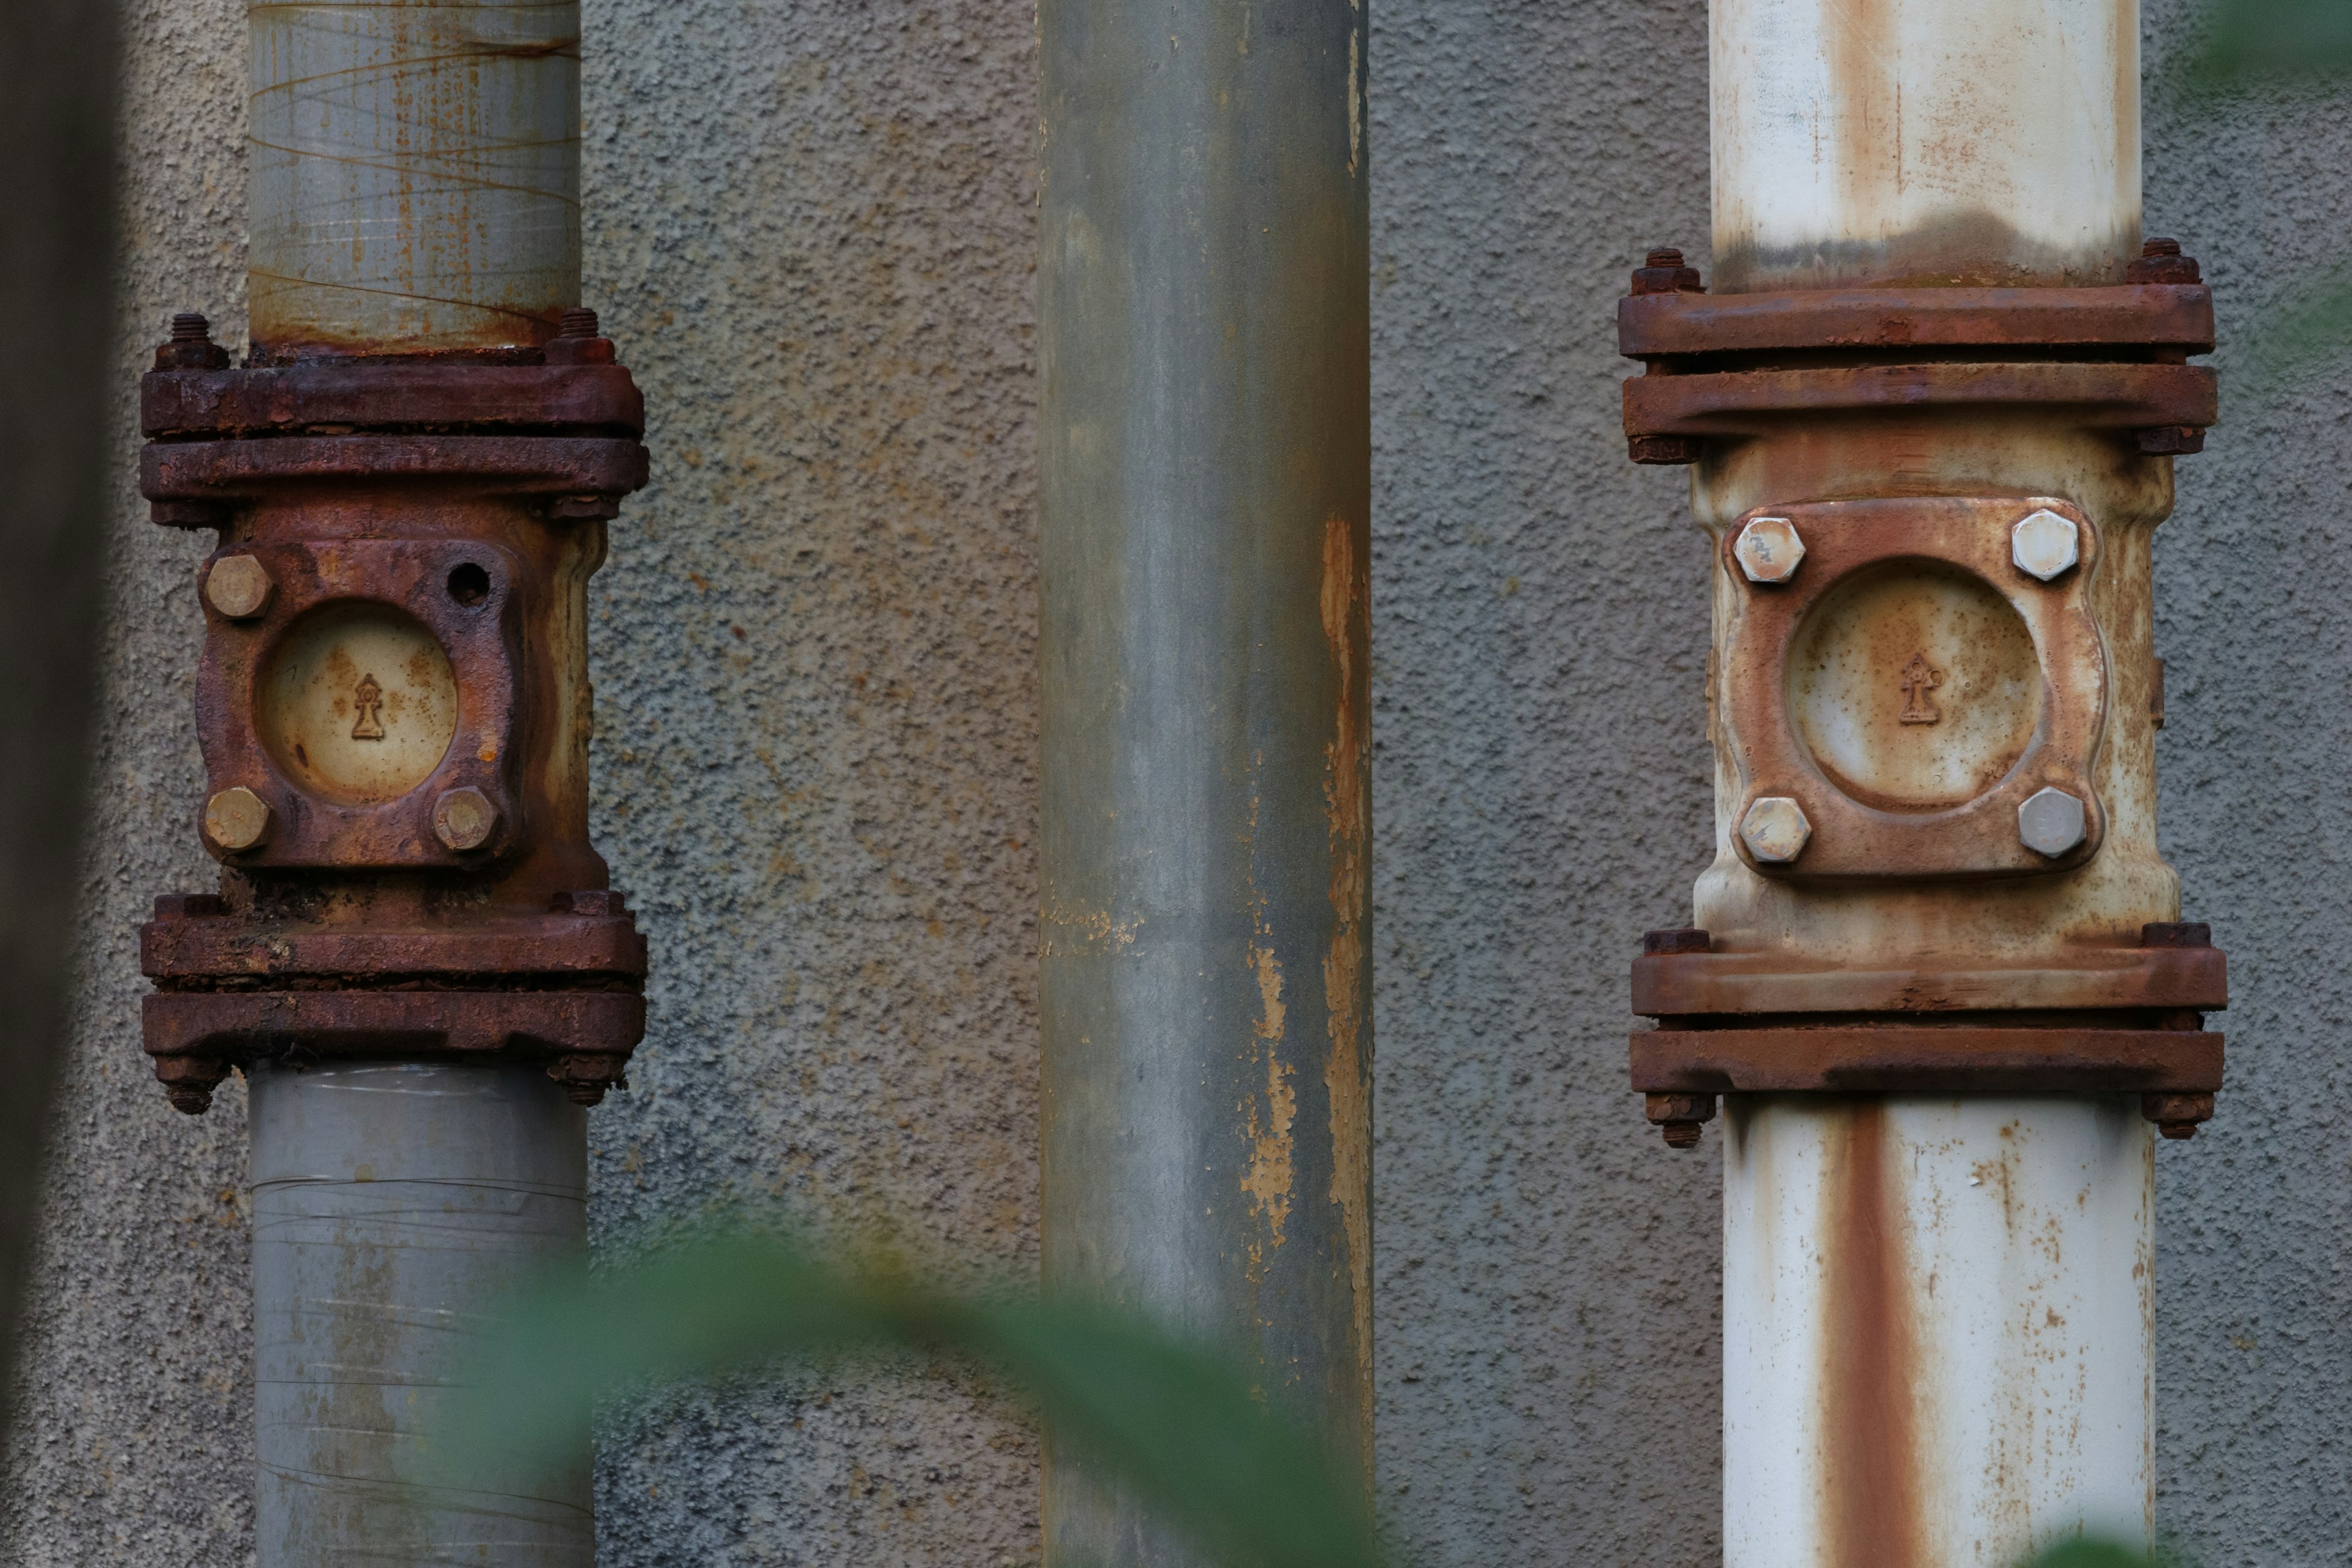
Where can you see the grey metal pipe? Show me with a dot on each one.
(415, 189)
(1204, 512)
(393, 1203)
(415, 174)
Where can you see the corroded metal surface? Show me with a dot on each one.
(1909, 688)
(1204, 512)
(415, 175)
(2147, 320)
(391, 709)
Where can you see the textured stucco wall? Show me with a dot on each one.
(810, 228)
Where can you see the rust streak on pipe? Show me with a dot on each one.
(1870, 1467)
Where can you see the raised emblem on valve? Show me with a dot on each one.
(1920, 677)
(367, 697)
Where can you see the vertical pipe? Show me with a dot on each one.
(415, 175)
(1203, 514)
(1937, 1312)
(393, 1205)
(415, 190)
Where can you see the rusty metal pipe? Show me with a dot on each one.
(413, 953)
(1204, 952)
(1937, 970)
(415, 175)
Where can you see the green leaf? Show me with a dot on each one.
(2250, 40)
(1180, 1426)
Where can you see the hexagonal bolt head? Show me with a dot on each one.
(2044, 544)
(236, 818)
(237, 586)
(464, 818)
(2050, 822)
(1775, 829)
(1769, 550)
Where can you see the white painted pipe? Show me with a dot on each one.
(394, 1205)
(1938, 1313)
(415, 175)
(1924, 141)
(1936, 1320)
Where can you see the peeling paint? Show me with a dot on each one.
(1269, 1178)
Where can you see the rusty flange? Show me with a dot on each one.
(1741, 365)
(2124, 1021)
(391, 708)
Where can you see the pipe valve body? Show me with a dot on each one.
(393, 710)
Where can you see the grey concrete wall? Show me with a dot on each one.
(810, 228)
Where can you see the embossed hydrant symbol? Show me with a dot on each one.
(367, 698)
(1920, 677)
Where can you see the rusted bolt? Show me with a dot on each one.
(2168, 440)
(189, 1081)
(2044, 544)
(1665, 450)
(2050, 822)
(1775, 829)
(578, 340)
(1663, 272)
(1677, 939)
(1679, 1116)
(2177, 1115)
(464, 818)
(236, 818)
(237, 586)
(2161, 261)
(1769, 550)
(190, 346)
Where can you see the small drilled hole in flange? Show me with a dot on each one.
(469, 585)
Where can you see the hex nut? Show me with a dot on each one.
(1775, 829)
(238, 587)
(1769, 550)
(464, 818)
(2050, 822)
(236, 818)
(2044, 544)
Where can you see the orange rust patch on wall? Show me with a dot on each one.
(1347, 798)
(1870, 1479)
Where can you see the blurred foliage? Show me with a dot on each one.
(2256, 44)
(1181, 1427)
(2251, 41)
(2101, 1554)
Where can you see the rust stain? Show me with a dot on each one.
(1858, 36)
(1870, 1479)
(1346, 612)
